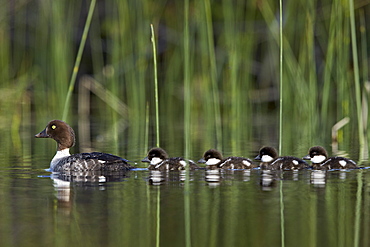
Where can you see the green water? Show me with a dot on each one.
(244, 208)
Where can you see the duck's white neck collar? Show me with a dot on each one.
(59, 155)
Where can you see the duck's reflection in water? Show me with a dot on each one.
(90, 177)
(64, 181)
(63, 191)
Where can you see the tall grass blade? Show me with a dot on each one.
(329, 63)
(146, 133)
(155, 85)
(78, 59)
(158, 230)
(358, 212)
(282, 224)
(187, 118)
(213, 74)
(365, 76)
(187, 95)
(364, 61)
(281, 75)
(357, 81)
(282, 219)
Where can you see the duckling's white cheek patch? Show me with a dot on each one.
(343, 163)
(266, 158)
(318, 158)
(212, 161)
(155, 161)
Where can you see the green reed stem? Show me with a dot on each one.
(158, 230)
(282, 229)
(282, 219)
(329, 63)
(365, 76)
(357, 80)
(76, 67)
(364, 61)
(281, 76)
(187, 209)
(358, 212)
(146, 134)
(213, 73)
(187, 112)
(187, 95)
(155, 85)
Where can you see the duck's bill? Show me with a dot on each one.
(42, 134)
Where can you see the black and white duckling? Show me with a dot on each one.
(319, 158)
(159, 160)
(270, 160)
(64, 135)
(214, 160)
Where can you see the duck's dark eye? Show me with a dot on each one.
(53, 126)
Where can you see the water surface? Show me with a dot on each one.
(143, 208)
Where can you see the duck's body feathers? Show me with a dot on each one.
(94, 161)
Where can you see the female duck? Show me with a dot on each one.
(159, 160)
(320, 161)
(213, 160)
(64, 135)
(271, 160)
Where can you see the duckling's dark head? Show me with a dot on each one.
(267, 154)
(156, 153)
(316, 154)
(211, 156)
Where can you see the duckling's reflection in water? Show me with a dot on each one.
(230, 175)
(213, 177)
(164, 177)
(318, 178)
(268, 179)
(157, 177)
